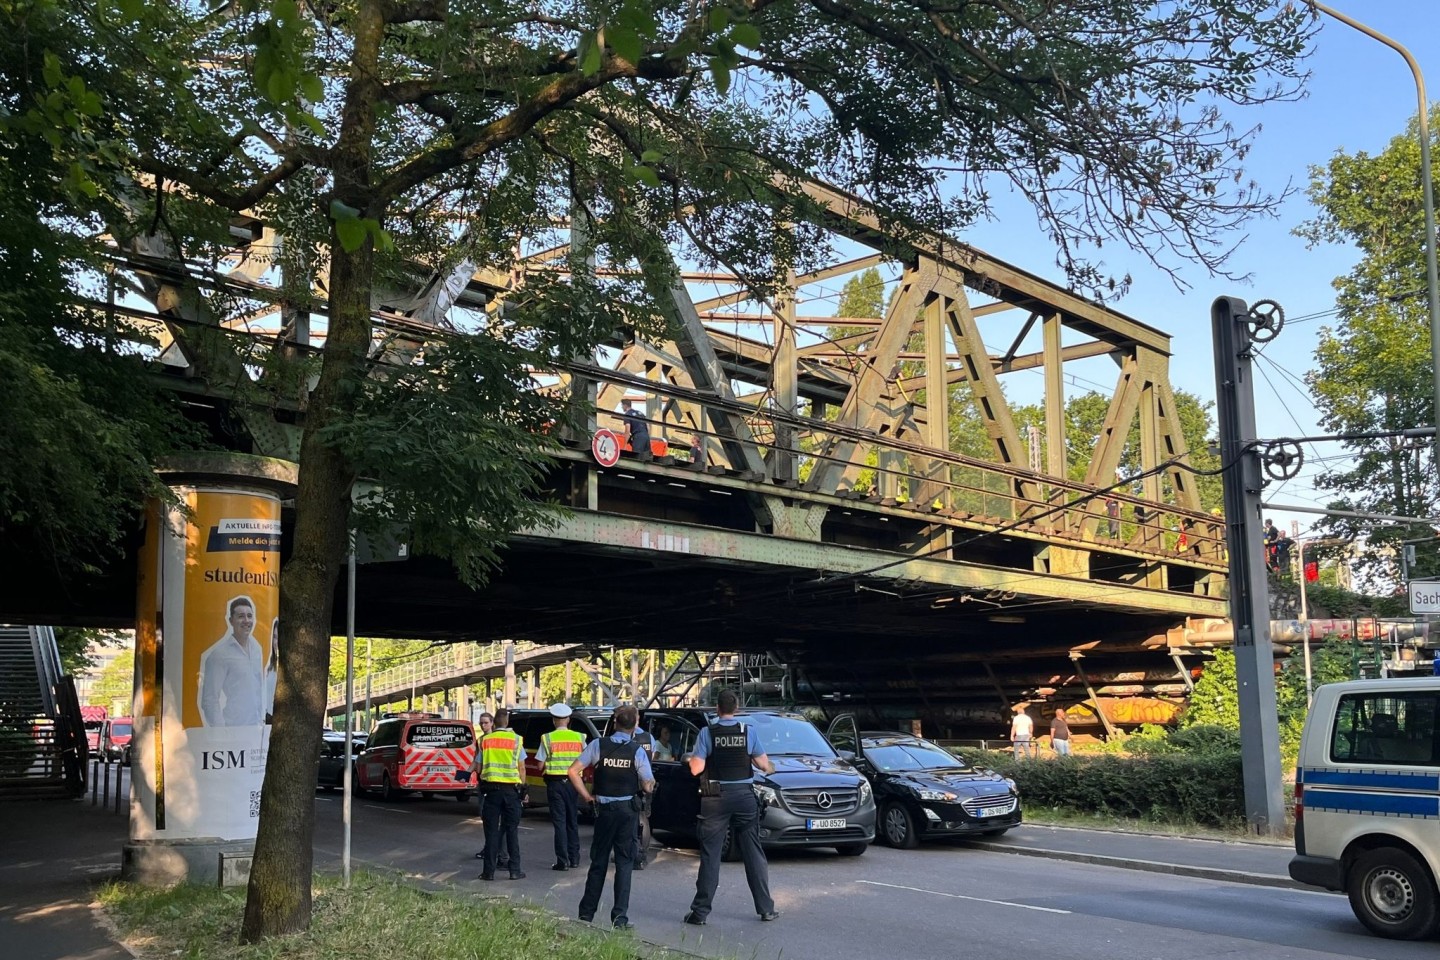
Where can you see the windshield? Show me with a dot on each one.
(119, 729)
(781, 736)
(897, 756)
(94, 724)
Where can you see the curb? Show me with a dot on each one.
(1150, 866)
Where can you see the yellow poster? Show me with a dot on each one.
(232, 606)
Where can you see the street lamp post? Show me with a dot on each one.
(1431, 273)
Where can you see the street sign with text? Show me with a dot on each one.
(1425, 596)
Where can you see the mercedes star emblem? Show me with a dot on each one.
(823, 800)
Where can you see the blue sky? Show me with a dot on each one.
(1360, 95)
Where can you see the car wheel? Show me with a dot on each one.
(388, 793)
(1393, 894)
(898, 827)
(851, 849)
(356, 788)
(730, 852)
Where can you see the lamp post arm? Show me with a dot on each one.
(1432, 275)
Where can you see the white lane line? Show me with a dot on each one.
(957, 896)
(376, 806)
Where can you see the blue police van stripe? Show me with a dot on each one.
(1373, 779)
(1393, 804)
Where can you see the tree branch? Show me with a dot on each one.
(553, 96)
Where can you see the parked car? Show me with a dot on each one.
(410, 752)
(330, 768)
(924, 791)
(815, 798)
(115, 739)
(532, 724)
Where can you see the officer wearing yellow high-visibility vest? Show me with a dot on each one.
(501, 764)
(558, 749)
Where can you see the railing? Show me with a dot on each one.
(455, 662)
(940, 483)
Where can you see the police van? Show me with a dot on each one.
(1367, 801)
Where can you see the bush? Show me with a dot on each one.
(17, 749)
(1201, 788)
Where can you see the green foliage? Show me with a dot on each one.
(1215, 700)
(116, 683)
(200, 923)
(1372, 368)
(75, 642)
(1192, 787)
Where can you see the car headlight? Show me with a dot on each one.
(864, 792)
(1013, 788)
(768, 795)
(939, 796)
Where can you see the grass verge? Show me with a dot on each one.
(378, 916)
(1065, 817)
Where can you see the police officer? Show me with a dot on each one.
(501, 762)
(558, 749)
(724, 753)
(622, 774)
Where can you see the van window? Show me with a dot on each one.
(530, 728)
(387, 734)
(439, 736)
(119, 729)
(1396, 728)
(682, 734)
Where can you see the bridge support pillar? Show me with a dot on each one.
(208, 607)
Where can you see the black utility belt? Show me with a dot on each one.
(496, 785)
(556, 778)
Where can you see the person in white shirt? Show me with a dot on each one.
(1022, 733)
(272, 670)
(231, 672)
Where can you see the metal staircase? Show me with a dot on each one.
(42, 738)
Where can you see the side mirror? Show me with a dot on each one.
(847, 755)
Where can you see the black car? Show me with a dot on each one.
(330, 768)
(813, 799)
(924, 790)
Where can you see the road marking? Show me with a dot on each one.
(957, 896)
(376, 806)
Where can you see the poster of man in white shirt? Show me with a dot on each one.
(232, 672)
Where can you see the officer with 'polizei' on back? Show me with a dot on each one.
(725, 753)
(622, 775)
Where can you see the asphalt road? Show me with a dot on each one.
(940, 901)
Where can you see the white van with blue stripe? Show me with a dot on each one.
(1367, 801)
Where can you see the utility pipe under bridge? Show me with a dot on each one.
(457, 668)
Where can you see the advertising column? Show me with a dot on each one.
(206, 667)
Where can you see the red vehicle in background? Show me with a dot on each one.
(115, 739)
(416, 751)
(94, 719)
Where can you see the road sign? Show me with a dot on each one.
(605, 447)
(1425, 596)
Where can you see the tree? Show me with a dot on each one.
(1372, 370)
(1215, 701)
(384, 139)
(74, 644)
(83, 422)
(116, 682)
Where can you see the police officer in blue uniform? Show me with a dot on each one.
(725, 753)
(622, 775)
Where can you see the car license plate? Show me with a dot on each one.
(831, 823)
(439, 768)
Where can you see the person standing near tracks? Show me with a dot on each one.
(726, 755)
(502, 778)
(622, 776)
(558, 749)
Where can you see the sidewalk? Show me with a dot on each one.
(53, 853)
(1236, 861)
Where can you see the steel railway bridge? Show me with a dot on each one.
(808, 503)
